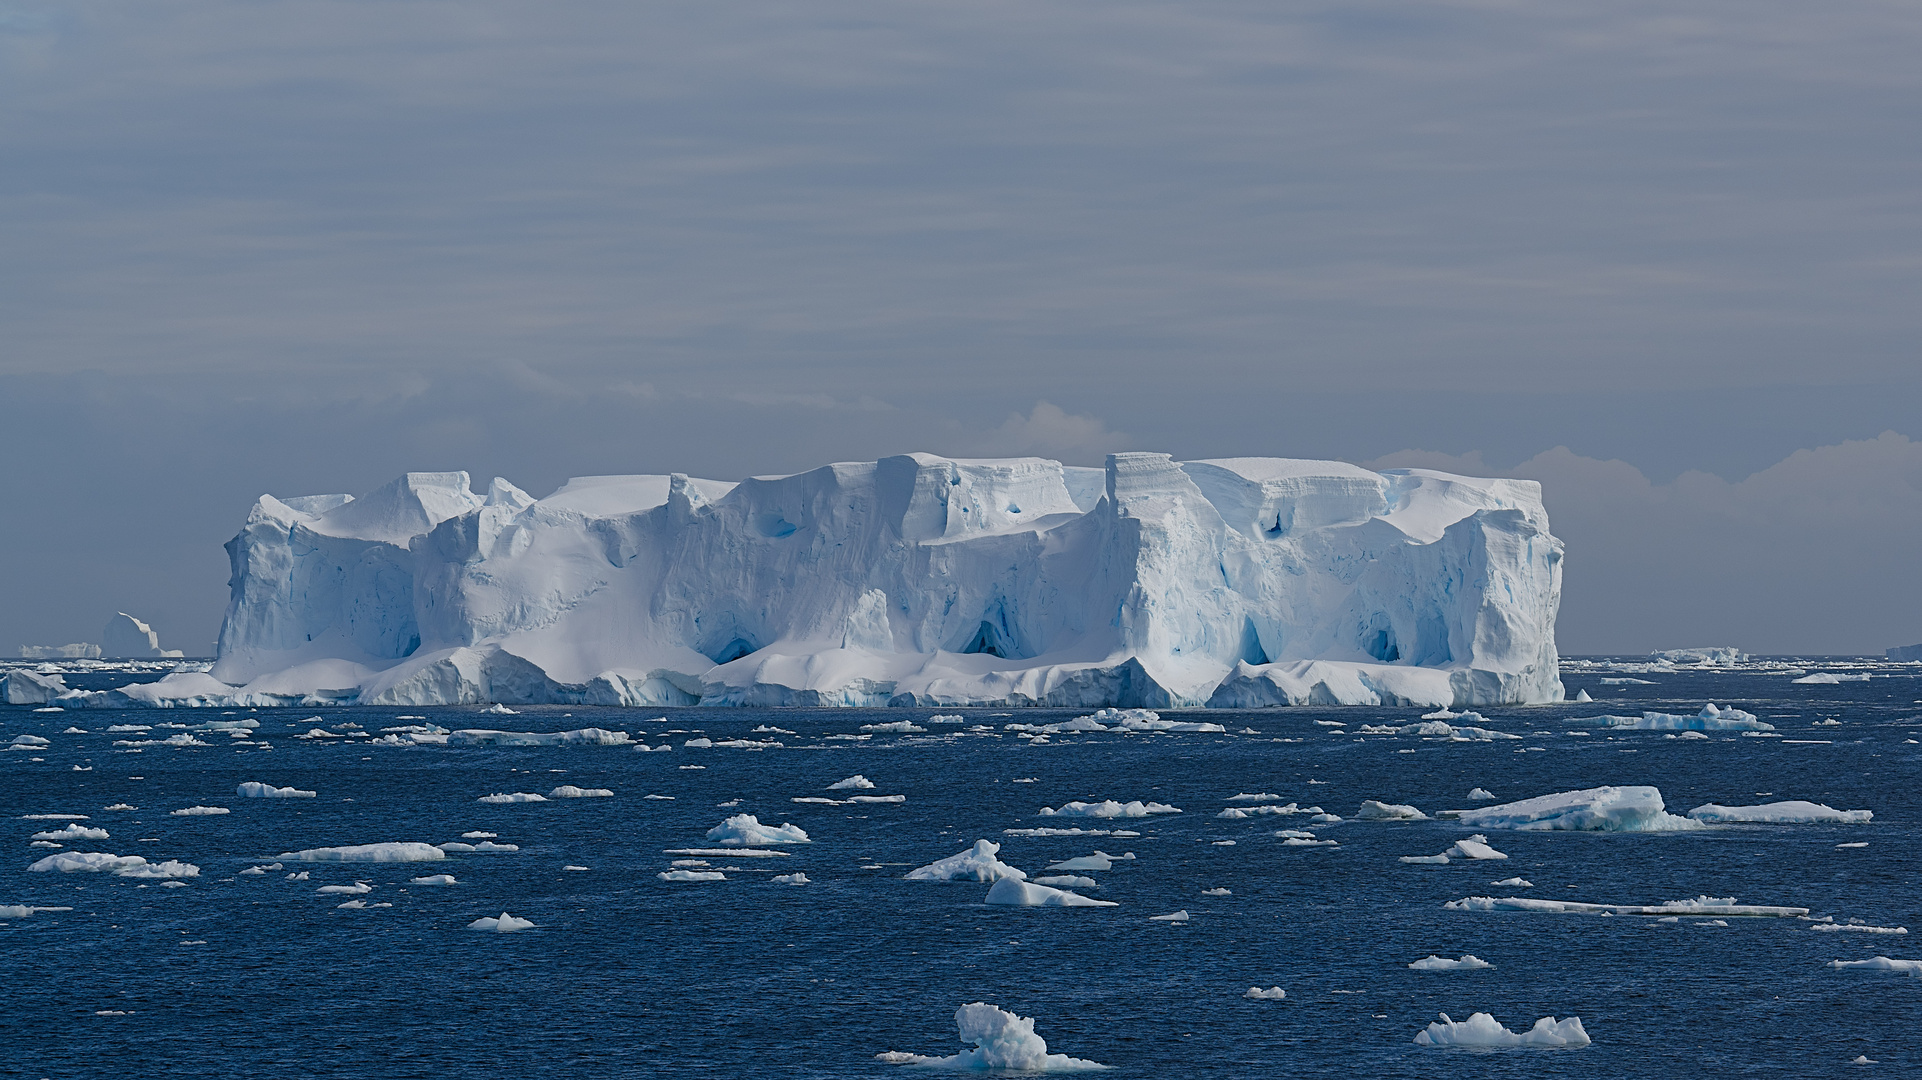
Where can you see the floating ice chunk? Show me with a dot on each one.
(1066, 881)
(1711, 718)
(318, 733)
(1255, 797)
(1481, 795)
(691, 875)
(978, 863)
(59, 817)
(169, 871)
(1879, 963)
(1515, 883)
(1474, 847)
(790, 879)
(1273, 993)
(1597, 809)
(516, 797)
(1438, 729)
(23, 911)
(950, 718)
(353, 905)
(1300, 841)
(1483, 1030)
(877, 798)
(72, 831)
(1859, 928)
(1468, 962)
(746, 830)
(85, 862)
(1372, 810)
(1829, 678)
(498, 709)
(254, 790)
(504, 924)
(1002, 1041)
(575, 868)
(569, 791)
(433, 879)
(1700, 905)
(1109, 809)
(1099, 861)
(259, 870)
(124, 729)
(301, 876)
(1178, 916)
(358, 888)
(852, 782)
(732, 853)
(30, 740)
(405, 851)
(582, 737)
(1583, 696)
(1013, 892)
(903, 727)
(1794, 811)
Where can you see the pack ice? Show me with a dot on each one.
(914, 580)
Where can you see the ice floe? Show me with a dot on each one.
(514, 797)
(504, 924)
(899, 727)
(790, 879)
(746, 830)
(855, 782)
(1711, 718)
(1481, 795)
(392, 852)
(1482, 1030)
(949, 718)
(1217, 892)
(255, 790)
(1109, 809)
(1178, 916)
(1879, 963)
(1597, 809)
(201, 811)
(1700, 905)
(978, 863)
(1857, 928)
(1515, 883)
(1254, 797)
(581, 737)
(1273, 993)
(691, 875)
(1002, 1042)
(127, 866)
(23, 911)
(358, 888)
(569, 791)
(1013, 892)
(433, 879)
(1438, 729)
(1468, 962)
(1829, 678)
(1099, 861)
(1372, 810)
(1791, 812)
(72, 831)
(1065, 881)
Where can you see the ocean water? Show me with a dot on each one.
(627, 975)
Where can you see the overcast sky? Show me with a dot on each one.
(1666, 259)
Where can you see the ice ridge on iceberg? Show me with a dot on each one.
(913, 580)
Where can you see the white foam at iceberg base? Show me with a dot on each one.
(1002, 1041)
(746, 830)
(1109, 809)
(504, 924)
(1012, 892)
(569, 791)
(1597, 809)
(1468, 962)
(1483, 1030)
(1701, 905)
(978, 863)
(255, 790)
(1273, 993)
(855, 781)
(127, 866)
(1372, 810)
(1878, 963)
(406, 851)
(1791, 812)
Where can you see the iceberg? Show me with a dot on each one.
(569, 791)
(1468, 962)
(855, 782)
(18, 687)
(914, 580)
(1701, 905)
(1002, 1042)
(582, 737)
(1791, 812)
(100, 862)
(369, 853)
(1711, 718)
(1371, 810)
(746, 830)
(71, 831)
(255, 790)
(512, 797)
(504, 924)
(978, 863)
(128, 637)
(1273, 993)
(790, 879)
(1598, 809)
(1874, 963)
(1013, 892)
(1109, 809)
(1484, 1031)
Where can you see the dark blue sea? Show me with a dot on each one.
(626, 975)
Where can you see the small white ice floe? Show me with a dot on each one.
(406, 851)
(504, 924)
(1372, 810)
(978, 863)
(1858, 928)
(1109, 809)
(1481, 795)
(575, 868)
(1468, 962)
(1700, 905)
(790, 879)
(1066, 881)
(1273, 993)
(852, 782)
(1515, 883)
(257, 871)
(1217, 892)
(1863, 1059)
(691, 875)
(1099, 861)
(1791, 812)
(353, 905)
(1012, 892)
(72, 831)
(1177, 916)
(498, 709)
(1002, 1041)
(1472, 847)
(433, 879)
(301, 876)
(569, 791)
(1879, 963)
(746, 830)
(201, 811)
(900, 727)
(1255, 797)
(515, 797)
(1856, 844)
(1483, 1030)
(126, 866)
(358, 888)
(255, 790)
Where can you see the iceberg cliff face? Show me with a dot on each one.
(912, 580)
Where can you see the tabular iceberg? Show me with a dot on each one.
(914, 580)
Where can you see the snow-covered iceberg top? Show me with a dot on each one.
(913, 580)
(1597, 809)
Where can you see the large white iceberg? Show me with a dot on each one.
(1598, 809)
(746, 830)
(1484, 1031)
(915, 580)
(1002, 1042)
